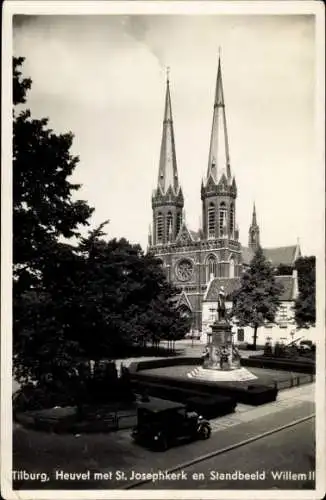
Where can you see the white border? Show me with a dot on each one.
(151, 7)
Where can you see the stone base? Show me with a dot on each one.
(236, 375)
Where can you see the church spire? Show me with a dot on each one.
(254, 240)
(168, 173)
(219, 158)
(254, 218)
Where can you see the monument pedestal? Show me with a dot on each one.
(222, 360)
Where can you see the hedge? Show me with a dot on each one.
(210, 407)
(279, 364)
(164, 362)
(184, 388)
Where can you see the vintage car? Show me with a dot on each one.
(160, 424)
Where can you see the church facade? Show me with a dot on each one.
(191, 259)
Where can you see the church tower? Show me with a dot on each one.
(167, 198)
(218, 195)
(219, 190)
(254, 240)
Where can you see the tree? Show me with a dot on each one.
(284, 270)
(44, 215)
(305, 304)
(124, 298)
(91, 299)
(44, 210)
(257, 299)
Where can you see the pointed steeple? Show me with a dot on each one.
(219, 158)
(254, 218)
(254, 240)
(168, 173)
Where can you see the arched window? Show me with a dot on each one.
(222, 219)
(179, 221)
(232, 268)
(231, 219)
(168, 226)
(211, 220)
(159, 227)
(211, 267)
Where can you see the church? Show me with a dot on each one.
(200, 262)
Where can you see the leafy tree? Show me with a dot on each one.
(124, 297)
(305, 305)
(257, 299)
(44, 214)
(91, 299)
(43, 206)
(284, 270)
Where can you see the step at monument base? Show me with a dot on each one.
(236, 375)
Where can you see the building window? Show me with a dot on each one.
(232, 267)
(283, 316)
(179, 221)
(211, 220)
(240, 335)
(222, 219)
(211, 267)
(231, 219)
(168, 225)
(159, 227)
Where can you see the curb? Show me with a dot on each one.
(202, 458)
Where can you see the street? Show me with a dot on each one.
(112, 452)
(284, 453)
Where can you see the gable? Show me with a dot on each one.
(184, 301)
(184, 235)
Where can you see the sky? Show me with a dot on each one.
(103, 78)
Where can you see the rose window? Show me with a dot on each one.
(184, 270)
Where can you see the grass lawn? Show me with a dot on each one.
(265, 376)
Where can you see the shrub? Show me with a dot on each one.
(211, 406)
(181, 389)
(291, 365)
(268, 351)
(162, 363)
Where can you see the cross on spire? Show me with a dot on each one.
(168, 74)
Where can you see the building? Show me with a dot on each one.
(284, 327)
(198, 261)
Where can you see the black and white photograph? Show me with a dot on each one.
(163, 250)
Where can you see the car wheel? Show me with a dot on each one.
(205, 432)
(163, 444)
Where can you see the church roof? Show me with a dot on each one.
(278, 255)
(231, 284)
(195, 235)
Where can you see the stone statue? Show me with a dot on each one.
(224, 359)
(221, 309)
